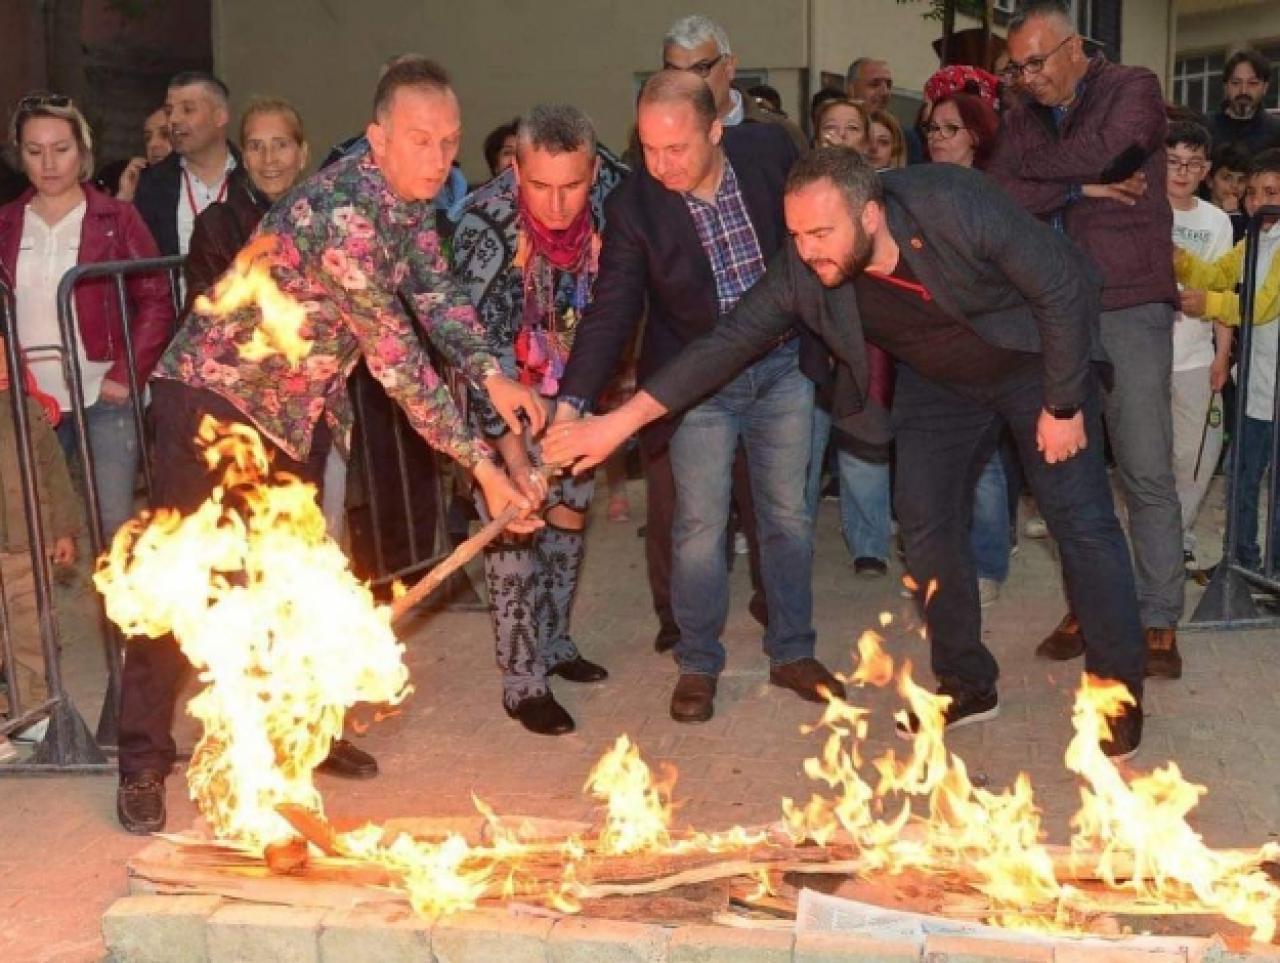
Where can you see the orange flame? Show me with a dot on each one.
(248, 284)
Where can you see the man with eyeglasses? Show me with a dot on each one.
(699, 45)
(1243, 119)
(1085, 153)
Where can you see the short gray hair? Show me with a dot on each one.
(557, 129)
(851, 74)
(695, 30)
(1042, 10)
(845, 168)
(679, 86)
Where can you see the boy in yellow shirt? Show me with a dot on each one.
(1209, 291)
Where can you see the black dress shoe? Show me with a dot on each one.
(867, 566)
(580, 670)
(666, 639)
(807, 678)
(542, 715)
(140, 802)
(348, 762)
(694, 698)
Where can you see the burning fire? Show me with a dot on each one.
(249, 284)
(286, 640)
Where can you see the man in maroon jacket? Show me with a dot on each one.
(1085, 152)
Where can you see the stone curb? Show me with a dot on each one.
(209, 929)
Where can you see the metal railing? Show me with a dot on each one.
(119, 272)
(1228, 601)
(67, 745)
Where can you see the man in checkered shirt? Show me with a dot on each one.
(688, 235)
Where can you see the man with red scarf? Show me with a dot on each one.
(526, 250)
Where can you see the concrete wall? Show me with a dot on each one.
(504, 55)
(1203, 33)
(1144, 37)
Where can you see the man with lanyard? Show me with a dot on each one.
(201, 168)
(356, 246)
(992, 318)
(526, 250)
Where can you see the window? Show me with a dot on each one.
(1197, 80)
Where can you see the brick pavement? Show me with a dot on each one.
(62, 855)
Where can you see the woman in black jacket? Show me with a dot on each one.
(275, 155)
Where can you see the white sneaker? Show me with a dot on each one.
(740, 546)
(988, 591)
(8, 751)
(33, 733)
(1034, 527)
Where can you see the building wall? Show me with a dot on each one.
(1257, 23)
(1144, 36)
(503, 55)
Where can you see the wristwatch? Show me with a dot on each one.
(1063, 412)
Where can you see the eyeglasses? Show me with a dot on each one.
(1032, 65)
(1186, 166)
(37, 101)
(942, 131)
(702, 68)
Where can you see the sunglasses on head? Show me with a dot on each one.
(37, 101)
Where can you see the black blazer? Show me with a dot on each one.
(651, 251)
(160, 189)
(1018, 283)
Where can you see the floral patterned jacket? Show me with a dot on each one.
(349, 251)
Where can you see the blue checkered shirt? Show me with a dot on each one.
(728, 237)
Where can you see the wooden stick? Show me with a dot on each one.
(459, 557)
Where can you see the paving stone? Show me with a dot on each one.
(720, 944)
(1071, 953)
(259, 933)
(844, 947)
(158, 929)
(375, 934)
(577, 940)
(484, 936)
(946, 948)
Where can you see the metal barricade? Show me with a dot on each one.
(67, 745)
(119, 272)
(1228, 601)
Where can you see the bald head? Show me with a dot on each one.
(671, 87)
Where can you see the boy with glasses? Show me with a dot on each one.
(1201, 348)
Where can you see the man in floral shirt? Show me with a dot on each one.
(526, 249)
(352, 250)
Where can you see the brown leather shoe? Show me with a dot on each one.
(807, 678)
(1163, 660)
(694, 698)
(1063, 643)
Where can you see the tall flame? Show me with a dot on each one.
(284, 638)
(280, 320)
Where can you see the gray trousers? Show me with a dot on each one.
(1192, 430)
(1139, 414)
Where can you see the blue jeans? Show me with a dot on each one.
(864, 493)
(114, 446)
(770, 407)
(1254, 451)
(944, 436)
(990, 535)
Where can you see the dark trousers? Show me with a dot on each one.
(154, 668)
(660, 513)
(944, 437)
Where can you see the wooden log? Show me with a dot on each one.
(287, 858)
(312, 826)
